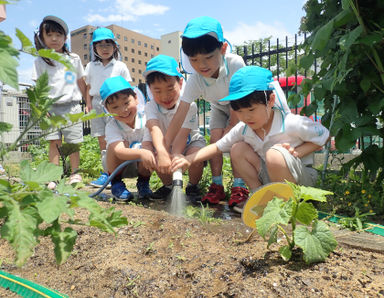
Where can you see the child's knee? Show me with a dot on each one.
(239, 150)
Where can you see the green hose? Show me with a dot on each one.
(26, 288)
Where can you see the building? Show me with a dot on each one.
(170, 45)
(15, 110)
(136, 49)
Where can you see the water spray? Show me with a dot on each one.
(178, 200)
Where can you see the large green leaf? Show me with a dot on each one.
(26, 44)
(276, 212)
(51, 207)
(64, 242)
(322, 36)
(51, 54)
(45, 172)
(8, 62)
(20, 229)
(306, 212)
(316, 244)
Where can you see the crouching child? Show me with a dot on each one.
(123, 135)
(267, 145)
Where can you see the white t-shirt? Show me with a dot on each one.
(62, 81)
(116, 130)
(164, 116)
(293, 129)
(211, 89)
(96, 73)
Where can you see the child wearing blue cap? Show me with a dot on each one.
(123, 135)
(212, 68)
(266, 145)
(104, 65)
(165, 84)
(65, 85)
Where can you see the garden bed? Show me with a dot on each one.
(160, 255)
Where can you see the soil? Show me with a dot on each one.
(161, 255)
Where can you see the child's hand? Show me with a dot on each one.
(148, 159)
(163, 163)
(180, 161)
(88, 108)
(290, 149)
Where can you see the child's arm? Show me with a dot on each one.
(203, 154)
(180, 141)
(82, 86)
(163, 158)
(301, 150)
(88, 99)
(176, 123)
(123, 152)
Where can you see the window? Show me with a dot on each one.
(133, 60)
(132, 40)
(151, 55)
(145, 54)
(151, 46)
(145, 45)
(125, 48)
(169, 41)
(139, 61)
(125, 38)
(85, 57)
(139, 52)
(85, 35)
(140, 71)
(139, 43)
(85, 46)
(125, 58)
(157, 49)
(133, 69)
(133, 50)
(133, 79)
(140, 81)
(145, 63)
(118, 36)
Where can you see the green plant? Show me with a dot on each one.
(25, 205)
(90, 157)
(356, 222)
(346, 39)
(28, 210)
(203, 214)
(316, 243)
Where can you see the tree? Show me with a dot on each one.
(347, 36)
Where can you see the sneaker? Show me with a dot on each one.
(143, 189)
(75, 178)
(193, 193)
(120, 192)
(238, 195)
(215, 194)
(162, 193)
(99, 182)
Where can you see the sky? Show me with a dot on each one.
(241, 21)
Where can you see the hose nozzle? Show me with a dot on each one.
(177, 178)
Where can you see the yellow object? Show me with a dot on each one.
(254, 207)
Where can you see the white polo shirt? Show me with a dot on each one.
(293, 129)
(164, 116)
(213, 89)
(96, 73)
(62, 82)
(116, 130)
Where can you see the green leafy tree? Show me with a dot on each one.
(347, 36)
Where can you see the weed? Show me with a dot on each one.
(203, 214)
(357, 222)
(149, 249)
(136, 223)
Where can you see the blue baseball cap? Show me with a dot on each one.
(204, 25)
(113, 85)
(164, 64)
(102, 34)
(248, 79)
